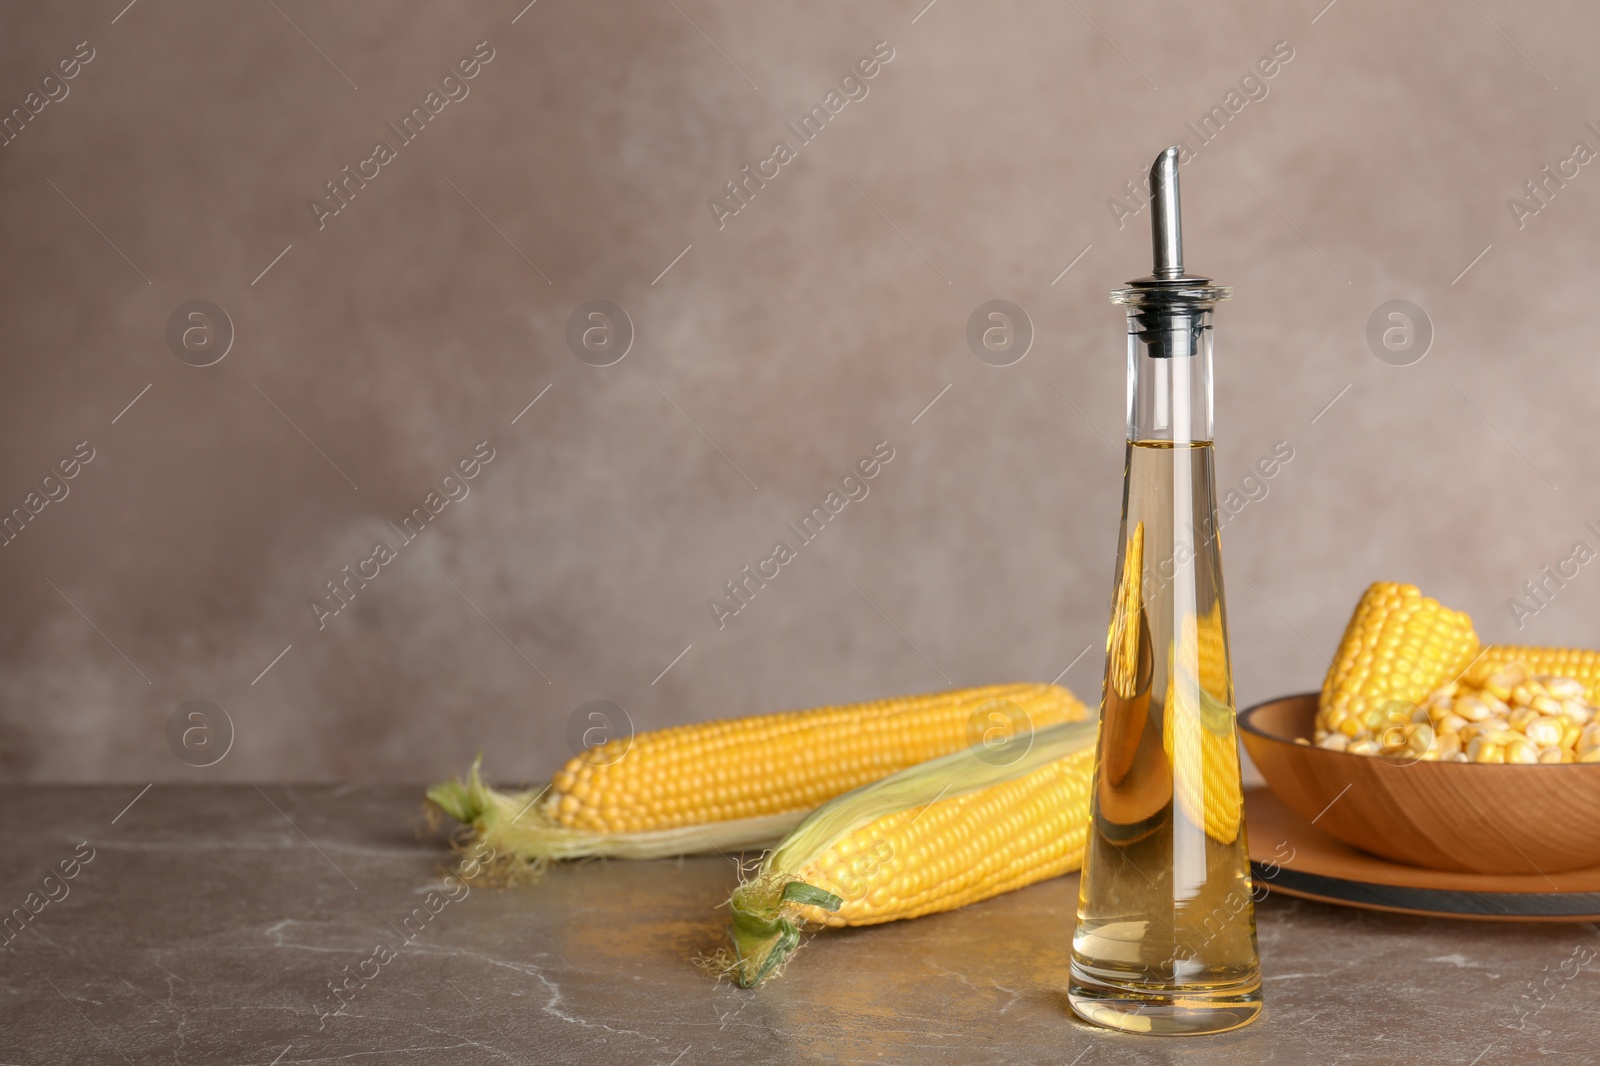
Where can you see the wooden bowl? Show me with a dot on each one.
(1473, 817)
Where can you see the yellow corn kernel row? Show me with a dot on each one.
(1206, 777)
(742, 768)
(1399, 645)
(932, 838)
(1215, 668)
(1199, 729)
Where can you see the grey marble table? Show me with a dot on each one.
(209, 924)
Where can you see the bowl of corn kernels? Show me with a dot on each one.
(1429, 748)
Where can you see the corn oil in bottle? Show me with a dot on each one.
(1165, 940)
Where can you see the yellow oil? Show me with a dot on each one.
(1166, 938)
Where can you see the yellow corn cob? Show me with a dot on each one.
(1581, 666)
(1215, 671)
(1399, 645)
(938, 836)
(1127, 681)
(1198, 729)
(1127, 617)
(746, 767)
(738, 782)
(987, 843)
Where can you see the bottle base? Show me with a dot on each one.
(1164, 1014)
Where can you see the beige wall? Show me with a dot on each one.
(373, 356)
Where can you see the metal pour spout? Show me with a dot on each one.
(1169, 311)
(1166, 223)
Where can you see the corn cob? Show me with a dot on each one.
(1128, 669)
(1127, 618)
(938, 836)
(1198, 728)
(738, 782)
(1399, 646)
(1215, 670)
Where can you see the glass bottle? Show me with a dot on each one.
(1166, 939)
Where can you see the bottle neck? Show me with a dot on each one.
(1169, 375)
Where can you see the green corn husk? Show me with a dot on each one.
(513, 826)
(767, 917)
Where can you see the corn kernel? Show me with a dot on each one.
(1564, 688)
(1545, 732)
(1521, 751)
(1484, 750)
